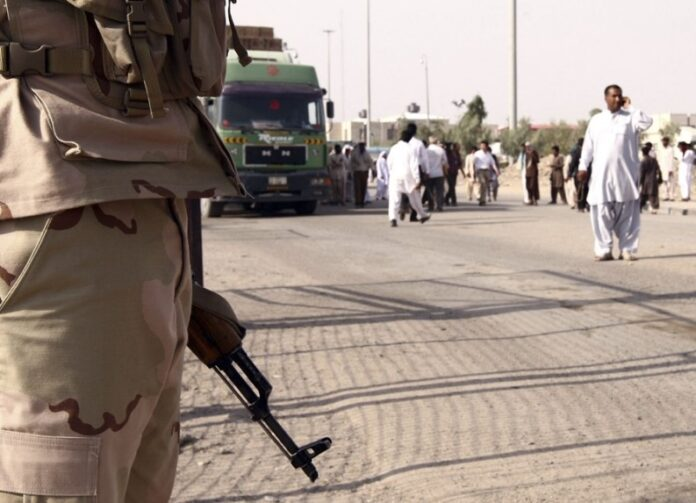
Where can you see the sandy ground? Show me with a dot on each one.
(480, 357)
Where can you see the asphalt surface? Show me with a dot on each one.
(482, 356)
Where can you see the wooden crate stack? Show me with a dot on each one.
(259, 38)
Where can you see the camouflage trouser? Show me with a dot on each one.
(95, 305)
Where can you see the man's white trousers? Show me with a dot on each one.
(685, 181)
(523, 173)
(398, 187)
(620, 219)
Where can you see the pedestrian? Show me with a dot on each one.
(382, 176)
(687, 158)
(454, 160)
(581, 183)
(437, 166)
(666, 158)
(350, 183)
(420, 153)
(557, 178)
(493, 180)
(360, 166)
(102, 145)
(337, 171)
(532, 174)
(470, 172)
(522, 166)
(611, 145)
(483, 164)
(650, 181)
(404, 178)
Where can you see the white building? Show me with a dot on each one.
(687, 123)
(385, 131)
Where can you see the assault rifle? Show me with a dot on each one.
(215, 337)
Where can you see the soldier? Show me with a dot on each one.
(105, 142)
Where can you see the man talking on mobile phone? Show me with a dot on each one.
(611, 146)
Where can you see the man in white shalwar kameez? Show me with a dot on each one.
(382, 177)
(404, 178)
(611, 146)
(686, 157)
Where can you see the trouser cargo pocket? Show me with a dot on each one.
(39, 465)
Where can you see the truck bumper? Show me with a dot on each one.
(269, 188)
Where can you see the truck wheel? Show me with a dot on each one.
(306, 208)
(211, 209)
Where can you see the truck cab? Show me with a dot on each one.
(271, 117)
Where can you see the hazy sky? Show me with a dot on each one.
(568, 51)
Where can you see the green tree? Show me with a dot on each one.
(512, 139)
(469, 131)
(559, 133)
(670, 130)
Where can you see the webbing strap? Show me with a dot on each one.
(16, 60)
(137, 29)
(242, 54)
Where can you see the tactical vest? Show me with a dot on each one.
(133, 55)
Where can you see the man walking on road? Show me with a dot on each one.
(611, 145)
(337, 172)
(522, 165)
(404, 178)
(437, 164)
(532, 174)
(666, 158)
(483, 161)
(687, 157)
(557, 180)
(470, 172)
(581, 186)
(360, 166)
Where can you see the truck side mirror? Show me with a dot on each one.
(330, 112)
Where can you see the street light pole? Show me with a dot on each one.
(424, 61)
(328, 51)
(513, 82)
(368, 130)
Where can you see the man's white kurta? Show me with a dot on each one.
(403, 167)
(665, 158)
(437, 160)
(611, 146)
(686, 166)
(419, 151)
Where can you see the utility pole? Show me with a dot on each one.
(513, 82)
(368, 130)
(328, 51)
(424, 61)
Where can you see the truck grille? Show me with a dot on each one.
(275, 155)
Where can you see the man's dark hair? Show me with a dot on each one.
(337, 148)
(667, 139)
(412, 128)
(647, 148)
(406, 135)
(556, 148)
(485, 143)
(615, 87)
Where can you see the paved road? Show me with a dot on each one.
(480, 357)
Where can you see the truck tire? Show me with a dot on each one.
(211, 209)
(306, 207)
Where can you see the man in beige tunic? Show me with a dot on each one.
(102, 141)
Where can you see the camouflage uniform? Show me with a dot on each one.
(95, 285)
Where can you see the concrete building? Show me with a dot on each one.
(385, 131)
(687, 123)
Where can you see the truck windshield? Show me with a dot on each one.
(272, 110)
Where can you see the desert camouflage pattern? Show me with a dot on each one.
(95, 303)
(63, 146)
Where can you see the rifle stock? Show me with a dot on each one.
(215, 337)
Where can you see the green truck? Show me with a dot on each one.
(272, 119)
